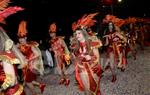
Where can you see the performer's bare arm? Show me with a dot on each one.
(107, 42)
(97, 54)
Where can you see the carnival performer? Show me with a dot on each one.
(140, 35)
(86, 56)
(8, 60)
(115, 49)
(132, 37)
(61, 53)
(34, 61)
(8, 71)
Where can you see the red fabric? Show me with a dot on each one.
(124, 61)
(26, 50)
(80, 85)
(29, 75)
(97, 69)
(95, 44)
(2, 74)
(9, 55)
(146, 43)
(109, 49)
(92, 82)
(13, 90)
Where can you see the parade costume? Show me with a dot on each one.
(32, 54)
(8, 72)
(86, 56)
(61, 53)
(116, 42)
(8, 80)
(132, 36)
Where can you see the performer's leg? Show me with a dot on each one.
(112, 66)
(64, 80)
(120, 61)
(87, 92)
(107, 63)
(40, 85)
(31, 88)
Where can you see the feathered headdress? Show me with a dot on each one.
(85, 22)
(22, 31)
(52, 28)
(109, 18)
(6, 11)
(131, 20)
(116, 21)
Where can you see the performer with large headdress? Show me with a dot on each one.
(9, 55)
(32, 54)
(84, 47)
(8, 75)
(115, 42)
(61, 53)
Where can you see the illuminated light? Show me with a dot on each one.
(119, 0)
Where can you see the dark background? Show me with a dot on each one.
(40, 13)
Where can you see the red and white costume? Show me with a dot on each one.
(6, 79)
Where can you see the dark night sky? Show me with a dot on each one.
(39, 13)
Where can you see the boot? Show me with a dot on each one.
(42, 87)
(107, 67)
(122, 69)
(67, 82)
(113, 78)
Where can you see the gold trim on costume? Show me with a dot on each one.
(9, 60)
(7, 82)
(19, 91)
(67, 59)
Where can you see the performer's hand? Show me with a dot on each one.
(87, 57)
(21, 66)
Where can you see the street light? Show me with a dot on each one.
(119, 0)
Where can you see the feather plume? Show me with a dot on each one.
(22, 31)
(131, 20)
(9, 11)
(85, 21)
(4, 4)
(111, 18)
(74, 26)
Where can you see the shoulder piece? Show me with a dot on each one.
(9, 58)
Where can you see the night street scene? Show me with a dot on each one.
(74, 47)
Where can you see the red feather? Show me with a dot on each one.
(85, 21)
(9, 11)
